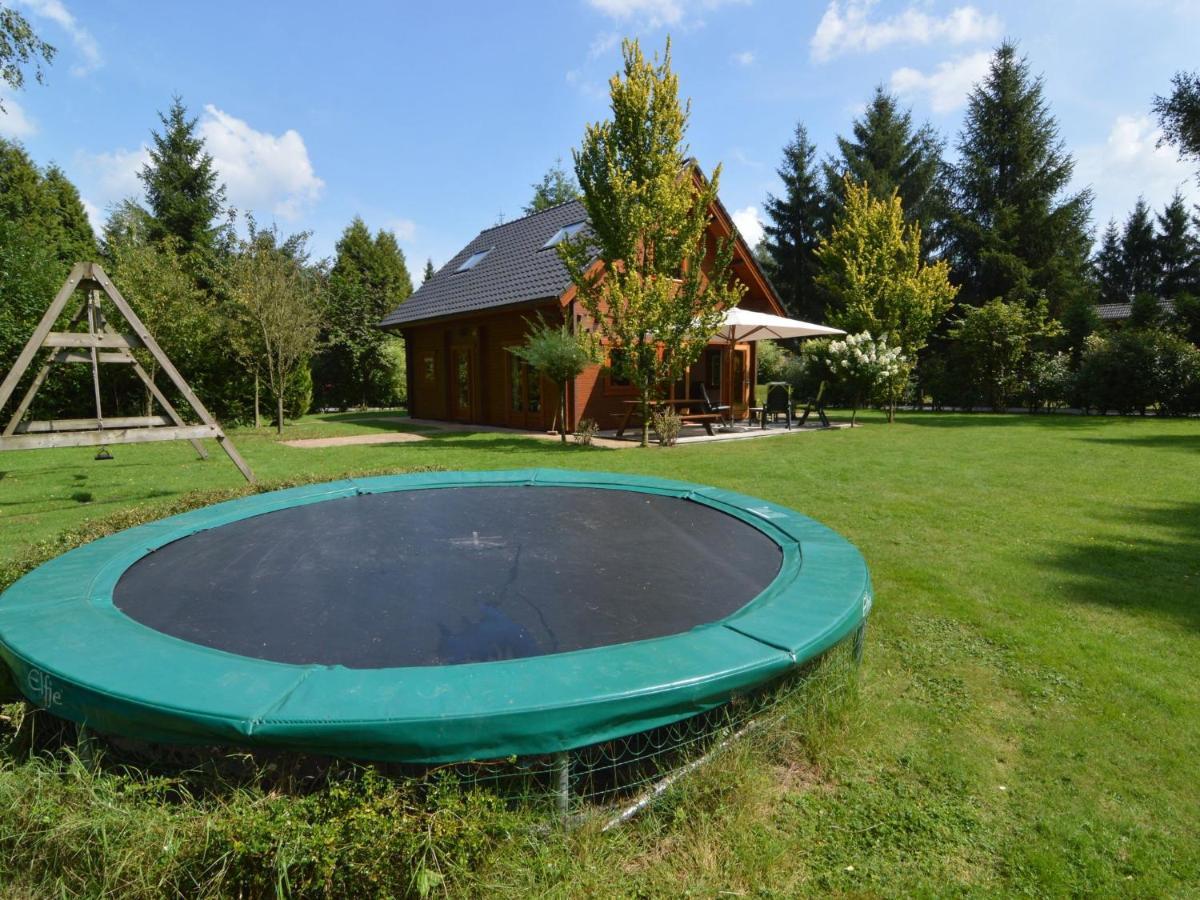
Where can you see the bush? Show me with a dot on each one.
(995, 342)
(585, 431)
(1140, 368)
(1049, 381)
(865, 367)
(773, 361)
(667, 424)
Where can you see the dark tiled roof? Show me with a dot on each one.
(516, 269)
(1119, 312)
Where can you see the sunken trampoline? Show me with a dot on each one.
(434, 617)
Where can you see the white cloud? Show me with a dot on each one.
(658, 13)
(602, 43)
(14, 121)
(745, 58)
(1129, 165)
(848, 28)
(404, 229)
(749, 224)
(90, 57)
(111, 177)
(94, 214)
(947, 86)
(260, 170)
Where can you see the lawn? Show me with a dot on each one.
(1026, 719)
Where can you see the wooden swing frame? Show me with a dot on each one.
(95, 347)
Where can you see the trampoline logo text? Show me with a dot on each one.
(44, 692)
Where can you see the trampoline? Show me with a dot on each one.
(433, 617)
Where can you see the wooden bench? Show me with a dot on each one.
(705, 419)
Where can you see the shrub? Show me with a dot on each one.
(1139, 368)
(995, 342)
(585, 431)
(667, 424)
(773, 361)
(1049, 381)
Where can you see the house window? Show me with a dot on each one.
(563, 233)
(472, 261)
(712, 367)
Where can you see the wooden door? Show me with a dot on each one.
(524, 396)
(462, 384)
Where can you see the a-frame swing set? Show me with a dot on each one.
(97, 346)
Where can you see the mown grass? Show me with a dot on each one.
(1025, 719)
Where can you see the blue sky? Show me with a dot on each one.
(432, 119)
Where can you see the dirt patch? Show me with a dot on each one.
(389, 437)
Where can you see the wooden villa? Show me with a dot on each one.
(459, 325)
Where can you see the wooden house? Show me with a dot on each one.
(459, 324)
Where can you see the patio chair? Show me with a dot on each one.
(721, 409)
(815, 405)
(779, 400)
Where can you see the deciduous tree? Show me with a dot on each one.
(560, 354)
(871, 270)
(557, 186)
(640, 270)
(20, 47)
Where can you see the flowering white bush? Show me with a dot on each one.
(867, 366)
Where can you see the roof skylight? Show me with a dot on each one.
(563, 233)
(473, 260)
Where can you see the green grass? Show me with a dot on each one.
(1026, 719)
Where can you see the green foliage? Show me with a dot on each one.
(1177, 247)
(356, 366)
(772, 361)
(46, 205)
(1139, 255)
(649, 294)
(1186, 317)
(1108, 268)
(1049, 380)
(429, 271)
(1145, 311)
(1179, 115)
(890, 157)
(1137, 369)
(20, 46)
(182, 185)
(1079, 320)
(276, 313)
(560, 354)
(795, 223)
(1015, 231)
(996, 341)
(557, 186)
(586, 431)
(872, 272)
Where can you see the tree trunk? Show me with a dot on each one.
(257, 410)
(645, 420)
(562, 411)
(279, 410)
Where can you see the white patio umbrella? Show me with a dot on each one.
(748, 325)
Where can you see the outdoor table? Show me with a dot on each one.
(632, 408)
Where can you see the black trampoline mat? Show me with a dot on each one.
(451, 575)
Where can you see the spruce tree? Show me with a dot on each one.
(1016, 231)
(428, 270)
(183, 187)
(794, 230)
(1178, 251)
(1139, 256)
(887, 154)
(1179, 115)
(1110, 278)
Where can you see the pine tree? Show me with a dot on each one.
(429, 271)
(1110, 277)
(557, 186)
(887, 155)
(794, 230)
(183, 187)
(1139, 256)
(1015, 231)
(1178, 250)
